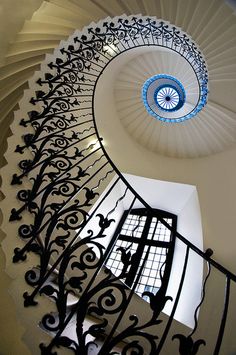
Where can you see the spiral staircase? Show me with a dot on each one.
(79, 115)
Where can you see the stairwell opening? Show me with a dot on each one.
(178, 199)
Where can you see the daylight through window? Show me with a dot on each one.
(142, 236)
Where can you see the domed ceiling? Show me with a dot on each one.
(211, 130)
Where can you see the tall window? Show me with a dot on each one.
(142, 235)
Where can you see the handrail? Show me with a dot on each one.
(68, 174)
(205, 255)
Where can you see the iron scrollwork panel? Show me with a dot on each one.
(67, 171)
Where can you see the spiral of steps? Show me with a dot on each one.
(55, 20)
(211, 131)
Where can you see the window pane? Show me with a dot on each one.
(133, 225)
(147, 245)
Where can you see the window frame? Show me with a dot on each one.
(143, 241)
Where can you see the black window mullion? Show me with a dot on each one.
(151, 242)
(138, 255)
(140, 221)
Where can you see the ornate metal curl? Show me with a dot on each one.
(67, 174)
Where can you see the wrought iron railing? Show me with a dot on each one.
(70, 170)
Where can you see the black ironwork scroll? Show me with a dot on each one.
(69, 173)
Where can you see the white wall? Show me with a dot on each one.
(189, 225)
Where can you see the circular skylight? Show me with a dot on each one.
(164, 98)
(167, 98)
